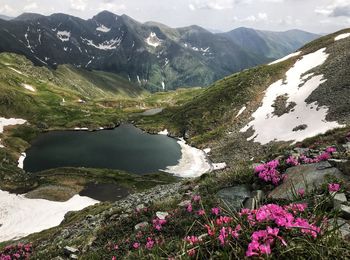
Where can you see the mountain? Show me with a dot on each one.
(268, 44)
(151, 55)
(5, 17)
(297, 97)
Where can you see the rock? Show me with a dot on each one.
(255, 200)
(73, 256)
(339, 199)
(345, 211)
(70, 250)
(250, 203)
(184, 203)
(344, 227)
(234, 197)
(347, 147)
(162, 215)
(308, 176)
(343, 165)
(140, 207)
(141, 225)
(301, 151)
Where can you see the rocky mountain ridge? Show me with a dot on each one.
(151, 55)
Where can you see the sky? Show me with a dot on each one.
(319, 16)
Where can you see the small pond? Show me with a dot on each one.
(124, 148)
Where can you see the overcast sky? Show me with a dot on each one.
(321, 16)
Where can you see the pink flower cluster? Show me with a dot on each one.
(262, 240)
(333, 187)
(19, 252)
(158, 223)
(284, 217)
(268, 172)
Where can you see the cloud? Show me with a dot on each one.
(112, 7)
(30, 7)
(78, 5)
(211, 4)
(6, 9)
(260, 17)
(335, 9)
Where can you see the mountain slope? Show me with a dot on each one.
(290, 100)
(5, 17)
(271, 45)
(151, 55)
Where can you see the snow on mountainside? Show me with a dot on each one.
(300, 96)
(155, 53)
(303, 120)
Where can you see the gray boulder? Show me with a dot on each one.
(307, 177)
(234, 197)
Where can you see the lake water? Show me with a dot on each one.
(124, 148)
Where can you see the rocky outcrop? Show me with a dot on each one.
(306, 177)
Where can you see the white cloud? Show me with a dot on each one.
(109, 6)
(336, 8)
(31, 7)
(78, 5)
(6, 9)
(260, 17)
(211, 4)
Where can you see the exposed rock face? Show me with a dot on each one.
(234, 197)
(305, 177)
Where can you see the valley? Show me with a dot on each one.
(122, 139)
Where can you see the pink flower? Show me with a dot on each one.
(301, 192)
(222, 236)
(215, 211)
(189, 208)
(292, 161)
(191, 252)
(201, 212)
(323, 157)
(114, 258)
(331, 150)
(150, 243)
(196, 198)
(210, 231)
(136, 245)
(192, 240)
(116, 247)
(159, 223)
(223, 220)
(333, 187)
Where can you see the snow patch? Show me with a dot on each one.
(193, 162)
(64, 36)
(9, 122)
(103, 28)
(29, 87)
(207, 150)
(81, 129)
(153, 40)
(286, 57)
(269, 127)
(219, 166)
(106, 45)
(241, 111)
(21, 160)
(164, 132)
(342, 36)
(21, 216)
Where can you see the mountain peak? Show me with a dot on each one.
(28, 17)
(105, 17)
